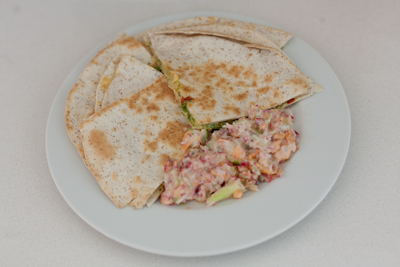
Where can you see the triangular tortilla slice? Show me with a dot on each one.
(229, 32)
(130, 76)
(81, 100)
(217, 79)
(278, 37)
(127, 142)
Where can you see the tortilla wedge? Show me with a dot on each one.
(278, 37)
(127, 142)
(239, 34)
(130, 76)
(81, 100)
(217, 79)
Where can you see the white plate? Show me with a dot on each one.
(322, 120)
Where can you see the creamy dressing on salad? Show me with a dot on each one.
(232, 159)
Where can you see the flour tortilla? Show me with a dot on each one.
(105, 81)
(226, 77)
(229, 32)
(176, 25)
(278, 37)
(127, 142)
(81, 100)
(130, 76)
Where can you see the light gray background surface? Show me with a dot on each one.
(356, 225)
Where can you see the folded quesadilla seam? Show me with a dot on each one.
(105, 81)
(241, 40)
(277, 36)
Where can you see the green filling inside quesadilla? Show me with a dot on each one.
(215, 125)
(174, 83)
(187, 114)
(158, 66)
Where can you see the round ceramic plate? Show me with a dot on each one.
(322, 120)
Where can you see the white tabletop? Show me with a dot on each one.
(356, 225)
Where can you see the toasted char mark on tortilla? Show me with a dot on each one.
(133, 101)
(249, 26)
(222, 82)
(241, 83)
(150, 146)
(235, 70)
(144, 101)
(114, 176)
(152, 108)
(172, 133)
(207, 120)
(273, 104)
(139, 110)
(129, 42)
(101, 145)
(208, 104)
(269, 78)
(187, 90)
(299, 82)
(264, 90)
(146, 158)
(163, 158)
(137, 181)
(241, 97)
(153, 117)
(234, 109)
(200, 73)
(205, 99)
(192, 73)
(250, 74)
(162, 91)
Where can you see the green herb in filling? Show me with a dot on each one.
(187, 113)
(158, 66)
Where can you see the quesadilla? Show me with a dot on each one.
(130, 76)
(127, 142)
(278, 37)
(239, 34)
(217, 80)
(140, 37)
(81, 100)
